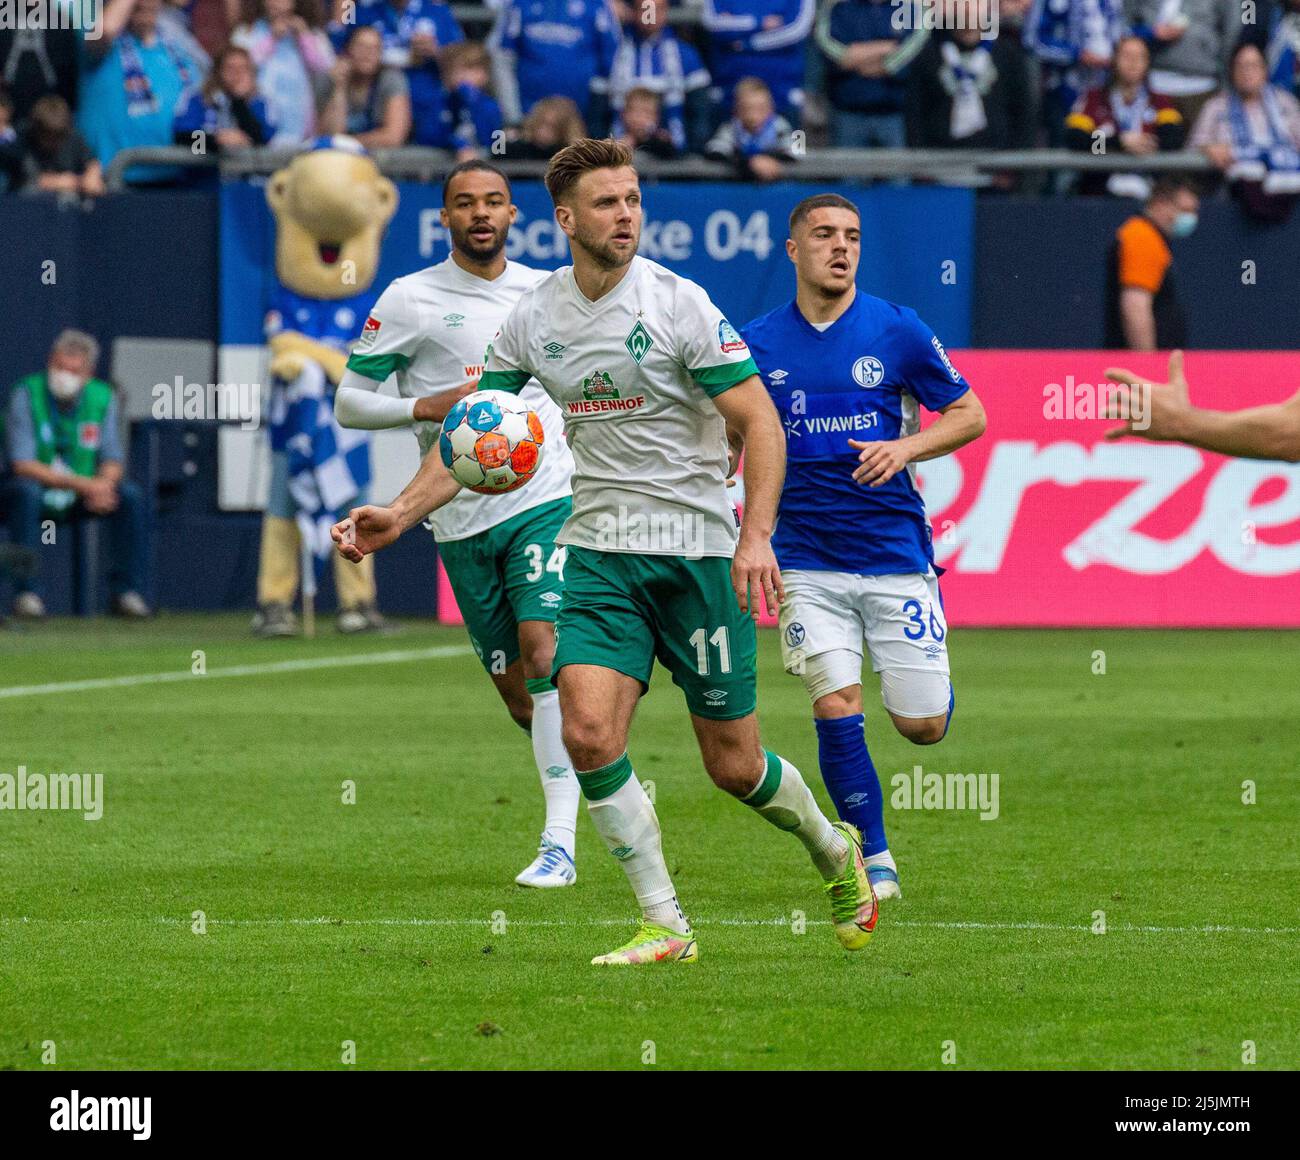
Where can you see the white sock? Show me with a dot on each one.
(783, 798)
(884, 858)
(626, 820)
(560, 786)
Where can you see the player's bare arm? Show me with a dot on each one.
(750, 415)
(369, 528)
(960, 422)
(1163, 412)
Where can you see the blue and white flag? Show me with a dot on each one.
(329, 465)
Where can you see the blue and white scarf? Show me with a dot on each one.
(140, 98)
(1275, 161)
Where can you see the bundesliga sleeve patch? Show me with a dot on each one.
(369, 333)
(728, 338)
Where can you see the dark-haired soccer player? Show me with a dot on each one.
(430, 329)
(848, 374)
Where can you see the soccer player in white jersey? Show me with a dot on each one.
(430, 330)
(648, 374)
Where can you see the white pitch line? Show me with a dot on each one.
(304, 664)
(1081, 928)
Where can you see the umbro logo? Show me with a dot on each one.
(551, 599)
(856, 799)
(453, 321)
(776, 378)
(554, 350)
(715, 697)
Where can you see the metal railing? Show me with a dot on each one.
(955, 166)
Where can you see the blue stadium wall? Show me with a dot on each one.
(997, 273)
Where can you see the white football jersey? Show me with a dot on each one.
(431, 329)
(634, 375)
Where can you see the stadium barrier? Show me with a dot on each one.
(953, 166)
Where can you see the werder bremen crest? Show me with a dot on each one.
(638, 342)
(599, 386)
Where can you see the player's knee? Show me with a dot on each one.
(734, 769)
(922, 730)
(520, 709)
(840, 703)
(537, 658)
(589, 739)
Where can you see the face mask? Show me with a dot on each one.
(1184, 225)
(64, 385)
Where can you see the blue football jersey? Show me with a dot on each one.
(861, 378)
(335, 323)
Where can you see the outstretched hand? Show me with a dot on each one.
(1149, 410)
(364, 531)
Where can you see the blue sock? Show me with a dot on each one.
(851, 778)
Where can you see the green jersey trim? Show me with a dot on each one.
(512, 381)
(378, 366)
(714, 380)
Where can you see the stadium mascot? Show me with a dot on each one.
(331, 206)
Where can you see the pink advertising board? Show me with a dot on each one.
(1044, 522)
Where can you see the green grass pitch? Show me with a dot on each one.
(372, 922)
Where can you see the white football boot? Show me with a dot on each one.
(553, 866)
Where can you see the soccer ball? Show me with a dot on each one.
(490, 443)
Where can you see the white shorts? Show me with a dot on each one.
(826, 616)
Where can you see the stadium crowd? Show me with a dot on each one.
(750, 81)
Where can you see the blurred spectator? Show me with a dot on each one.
(1073, 41)
(965, 92)
(1251, 132)
(1283, 47)
(293, 59)
(1142, 307)
(469, 120)
(415, 33)
(866, 82)
(1191, 41)
(228, 110)
(174, 23)
(651, 57)
(371, 100)
(34, 62)
(553, 123)
(11, 148)
(65, 452)
(1126, 117)
(136, 75)
(757, 138)
(551, 48)
(766, 39)
(56, 157)
(640, 125)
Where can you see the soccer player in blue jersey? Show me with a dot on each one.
(849, 373)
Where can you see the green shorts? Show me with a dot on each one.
(622, 610)
(510, 573)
